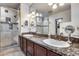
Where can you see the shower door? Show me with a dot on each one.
(6, 35)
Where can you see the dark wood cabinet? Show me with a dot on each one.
(21, 42)
(39, 51)
(51, 53)
(24, 45)
(30, 47)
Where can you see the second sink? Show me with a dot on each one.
(56, 43)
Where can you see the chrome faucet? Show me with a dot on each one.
(69, 38)
(49, 36)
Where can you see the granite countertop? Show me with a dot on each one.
(70, 51)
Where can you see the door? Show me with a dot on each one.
(5, 35)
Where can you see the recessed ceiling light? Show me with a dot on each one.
(61, 4)
(50, 4)
(54, 6)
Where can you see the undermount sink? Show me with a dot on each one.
(29, 35)
(56, 43)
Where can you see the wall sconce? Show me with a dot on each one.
(60, 20)
(37, 14)
(33, 13)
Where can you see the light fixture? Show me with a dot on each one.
(50, 4)
(60, 20)
(33, 13)
(54, 6)
(37, 14)
(61, 4)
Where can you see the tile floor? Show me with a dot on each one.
(13, 50)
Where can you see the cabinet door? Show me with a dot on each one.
(24, 45)
(29, 47)
(39, 51)
(51, 53)
(20, 42)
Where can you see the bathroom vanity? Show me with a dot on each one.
(34, 46)
(35, 49)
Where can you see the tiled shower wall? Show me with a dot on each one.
(7, 35)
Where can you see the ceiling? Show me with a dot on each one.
(11, 5)
(44, 7)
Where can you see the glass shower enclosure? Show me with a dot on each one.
(8, 27)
